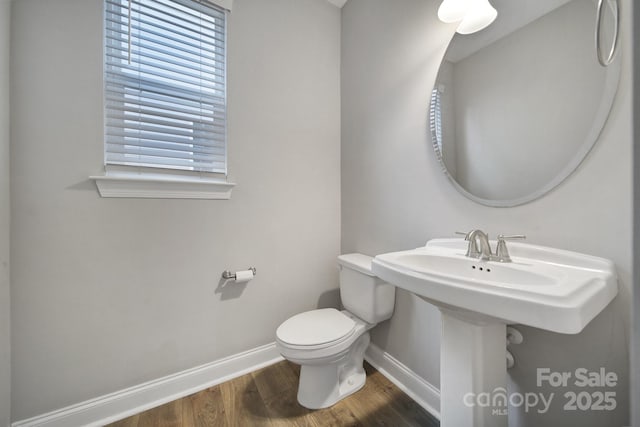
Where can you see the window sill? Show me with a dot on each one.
(160, 186)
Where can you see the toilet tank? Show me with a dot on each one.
(362, 292)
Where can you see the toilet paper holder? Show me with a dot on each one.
(228, 275)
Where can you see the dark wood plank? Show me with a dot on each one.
(127, 422)
(275, 379)
(408, 409)
(243, 404)
(338, 415)
(284, 410)
(204, 409)
(371, 408)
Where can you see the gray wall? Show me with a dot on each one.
(5, 344)
(394, 196)
(109, 293)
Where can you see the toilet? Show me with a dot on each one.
(328, 344)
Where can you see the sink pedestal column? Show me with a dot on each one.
(473, 371)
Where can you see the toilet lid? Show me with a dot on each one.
(315, 327)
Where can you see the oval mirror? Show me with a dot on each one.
(517, 106)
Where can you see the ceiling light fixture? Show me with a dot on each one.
(453, 10)
(473, 15)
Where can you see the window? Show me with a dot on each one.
(165, 86)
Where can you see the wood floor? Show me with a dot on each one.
(268, 398)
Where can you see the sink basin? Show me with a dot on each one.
(548, 288)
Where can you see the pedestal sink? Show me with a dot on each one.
(551, 289)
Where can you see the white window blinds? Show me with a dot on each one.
(435, 117)
(165, 84)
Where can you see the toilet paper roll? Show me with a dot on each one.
(244, 276)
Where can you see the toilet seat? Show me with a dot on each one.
(338, 330)
(316, 329)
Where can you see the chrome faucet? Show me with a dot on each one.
(478, 245)
(480, 248)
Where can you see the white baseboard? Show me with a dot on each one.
(425, 394)
(130, 401)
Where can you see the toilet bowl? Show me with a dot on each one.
(328, 344)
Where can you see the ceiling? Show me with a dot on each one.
(512, 15)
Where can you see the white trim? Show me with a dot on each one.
(124, 403)
(158, 186)
(424, 393)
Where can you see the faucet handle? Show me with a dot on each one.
(512, 237)
(502, 254)
(462, 233)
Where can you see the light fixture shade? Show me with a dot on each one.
(453, 10)
(480, 15)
